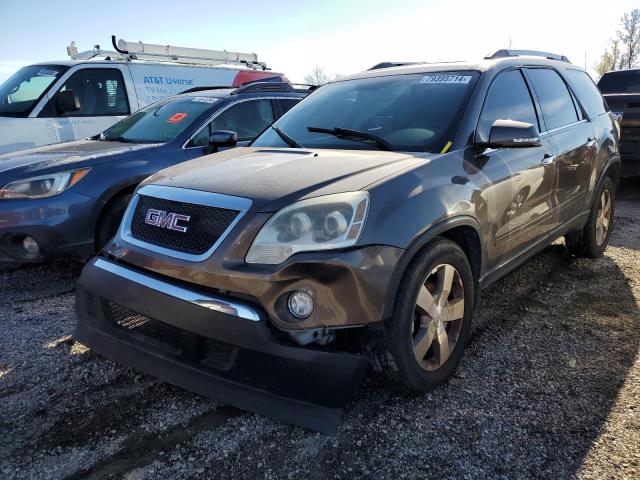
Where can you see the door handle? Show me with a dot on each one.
(548, 160)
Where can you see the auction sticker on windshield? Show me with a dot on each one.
(177, 117)
(452, 79)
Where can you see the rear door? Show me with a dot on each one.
(520, 203)
(572, 133)
(247, 117)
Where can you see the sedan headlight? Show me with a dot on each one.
(322, 223)
(42, 186)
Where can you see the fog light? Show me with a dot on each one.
(300, 304)
(30, 246)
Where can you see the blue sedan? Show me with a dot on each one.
(67, 200)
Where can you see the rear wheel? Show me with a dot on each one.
(432, 317)
(593, 239)
(110, 219)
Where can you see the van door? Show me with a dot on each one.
(248, 118)
(520, 204)
(101, 96)
(573, 136)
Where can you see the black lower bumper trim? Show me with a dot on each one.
(305, 387)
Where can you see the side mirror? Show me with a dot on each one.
(511, 134)
(222, 138)
(67, 101)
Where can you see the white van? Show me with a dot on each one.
(62, 101)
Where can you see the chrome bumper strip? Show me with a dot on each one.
(211, 302)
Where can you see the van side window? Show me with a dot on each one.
(556, 103)
(101, 92)
(247, 119)
(587, 91)
(508, 99)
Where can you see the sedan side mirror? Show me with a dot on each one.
(221, 139)
(67, 101)
(511, 134)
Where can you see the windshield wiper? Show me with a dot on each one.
(287, 139)
(347, 132)
(119, 139)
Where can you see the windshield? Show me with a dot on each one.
(620, 82)
(20, 92)
(416, 112)
(161, 122)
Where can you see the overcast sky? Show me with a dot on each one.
(293, 36)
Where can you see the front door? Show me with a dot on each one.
(247, 118)
(521, 181)
(103, 101)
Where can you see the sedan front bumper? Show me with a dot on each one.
(210, 344)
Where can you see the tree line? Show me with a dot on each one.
(623, 50)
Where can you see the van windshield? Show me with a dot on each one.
(161, 122)
(409, 112)
(20, 92)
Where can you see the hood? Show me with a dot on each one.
(62, 155)
(273, 178)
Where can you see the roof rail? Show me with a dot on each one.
(128, 51)
(392, 64)
(504, 53)
(262, 86)
(200, 89)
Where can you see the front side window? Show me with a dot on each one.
(22, 91)
(101, 92)
(412, 112)
(158, 123)
(247, 119)
(508, 99)
(555, 99)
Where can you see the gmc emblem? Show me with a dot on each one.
(168, 220)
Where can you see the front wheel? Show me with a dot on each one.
(593, 239)
(432, 317)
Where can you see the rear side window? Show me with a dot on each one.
(101, 92)
(587, 92)
(626, 81)
(555, 99)
(508, 99)
(287, 104)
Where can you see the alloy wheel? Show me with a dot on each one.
(603, 217)
(438, 317)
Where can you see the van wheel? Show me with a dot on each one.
(110, 219)
(593, 239)
(432, 317)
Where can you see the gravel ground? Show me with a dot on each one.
(549, 387)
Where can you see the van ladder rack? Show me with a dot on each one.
(128, 51)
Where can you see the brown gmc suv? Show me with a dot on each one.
(377, 208)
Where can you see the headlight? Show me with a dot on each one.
(42, 186)
(322, 223)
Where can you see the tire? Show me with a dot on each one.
(591, 241)
(110, 219)
(411, 326)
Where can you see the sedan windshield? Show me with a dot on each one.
(161, 122)
(415, 112)
(20, 92)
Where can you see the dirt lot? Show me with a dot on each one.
(549, 387)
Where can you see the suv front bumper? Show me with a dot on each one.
(212, 345)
